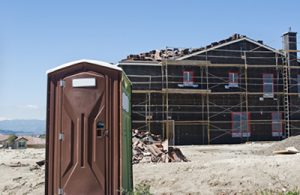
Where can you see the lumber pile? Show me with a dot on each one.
(147, 147)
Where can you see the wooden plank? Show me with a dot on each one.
(178, 91)
(186, 91)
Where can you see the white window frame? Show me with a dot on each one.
(276, 122)
(267, 84)
(242, 122)
(233, 79)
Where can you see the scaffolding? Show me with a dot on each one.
(210, 112)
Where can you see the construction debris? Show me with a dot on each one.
(41, 162)
(18, 164)
(288, 150)
(173, 53)
(147, 147)
(293, 141)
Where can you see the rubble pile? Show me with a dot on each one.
(158, 55)
(173, 53)
(147, 147)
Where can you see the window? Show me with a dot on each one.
(22, 144)
(188, 78)
(268, 85)
(298, 84)
(240, 124)
(276, 124)
(233, 79)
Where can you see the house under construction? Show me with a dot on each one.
(231, 91)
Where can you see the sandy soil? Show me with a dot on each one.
(220, 169)
(19, 173)
(223, 169)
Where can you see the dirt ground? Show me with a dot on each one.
(216, 169)
(223, 169)
(19, 173)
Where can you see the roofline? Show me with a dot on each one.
(95, 62)
(230, 42)
(288, 33)
(20, 138)
(139, 63)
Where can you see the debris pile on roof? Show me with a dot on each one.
(158, 55)
(147, 147)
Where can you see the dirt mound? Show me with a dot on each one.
(293, 141)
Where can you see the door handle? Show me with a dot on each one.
(102, 132)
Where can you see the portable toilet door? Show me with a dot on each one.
(83, 152)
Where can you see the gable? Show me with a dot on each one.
(243, 44)
(74, 63)
(21, 139)
(234, 52)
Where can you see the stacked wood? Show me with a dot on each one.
(147, 147)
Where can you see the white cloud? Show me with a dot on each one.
(2, 118)
(31, 106)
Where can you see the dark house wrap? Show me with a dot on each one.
(231, 91)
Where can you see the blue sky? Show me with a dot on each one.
(38, 35)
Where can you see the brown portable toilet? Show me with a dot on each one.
(84, 141)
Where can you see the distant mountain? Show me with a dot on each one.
(11, 132)
(23, 127)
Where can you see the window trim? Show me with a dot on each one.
(281, 125)
(237, 74)
(21, 144)
(298, 84)
(233, 84)
(268, 95)
(191, 81)
(243, 133)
